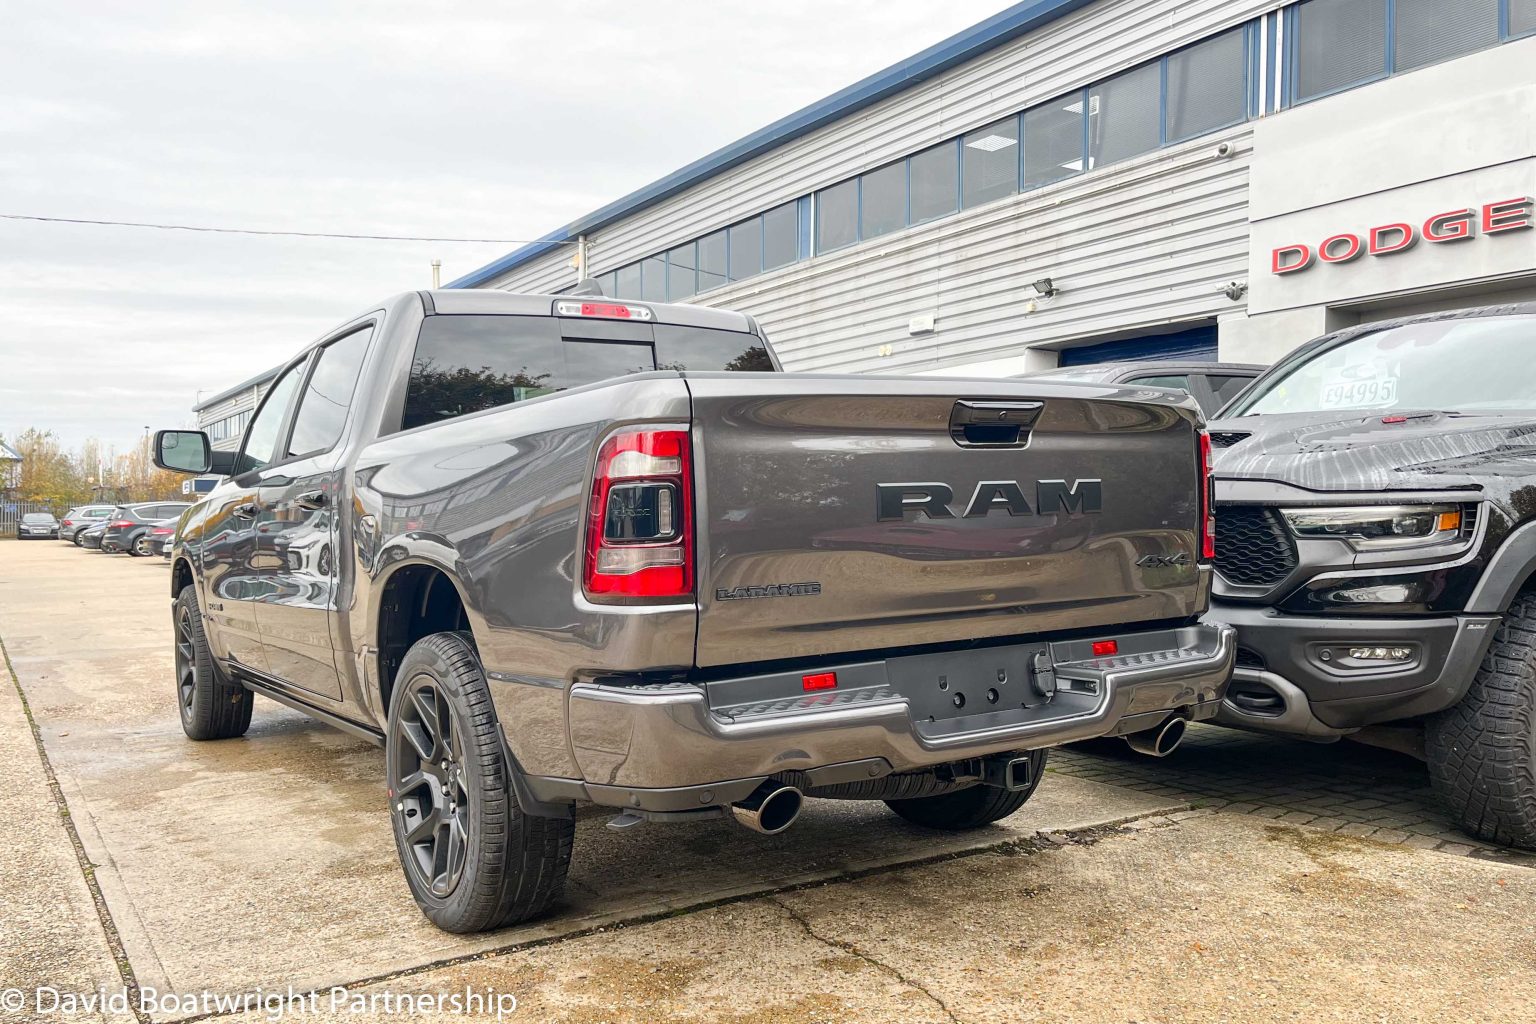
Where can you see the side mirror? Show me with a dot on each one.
(183, 451)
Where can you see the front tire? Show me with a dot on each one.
(79, 541)
(1482, 752)
(473, 858)
(213, 707)
(966, 809)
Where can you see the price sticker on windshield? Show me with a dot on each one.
(1358, 394)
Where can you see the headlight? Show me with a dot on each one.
(1377, 527)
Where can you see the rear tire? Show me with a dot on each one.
(970, 808)
(473, 858)
(140, 547)
(1482, 752)
(213, 707)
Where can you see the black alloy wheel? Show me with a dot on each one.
(427, 778)
(212, 706)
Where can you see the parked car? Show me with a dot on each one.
(160, 536)
(611, 594)
(1212, 384)
(37, 526)
(79, 517)
(90, 536)
(128, 527)
(1376, 532)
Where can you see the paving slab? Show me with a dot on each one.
(267, 861)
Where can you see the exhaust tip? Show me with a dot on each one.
(1159, 742)
(770, 809)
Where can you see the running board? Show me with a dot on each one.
(255, 685)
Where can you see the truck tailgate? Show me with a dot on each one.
(840, 515)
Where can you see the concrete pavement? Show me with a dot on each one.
(267, 861)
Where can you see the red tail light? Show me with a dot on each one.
(161, 531)
(640, 523)
(1106, 648)
(1207, 500)
(121, 524)
(819, 681)
(67, 522)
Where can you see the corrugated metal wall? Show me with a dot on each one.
(1142, 243)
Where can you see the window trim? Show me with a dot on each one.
(336, 339)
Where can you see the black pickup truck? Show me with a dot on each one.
(1376, 538)
(557, 549)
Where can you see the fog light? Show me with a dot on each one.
(1398, 593)
(1380, 653)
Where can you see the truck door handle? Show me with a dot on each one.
(311, 500)
(246, 511)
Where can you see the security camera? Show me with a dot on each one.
(1225, 150)
(1233, 290)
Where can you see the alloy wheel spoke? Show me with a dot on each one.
(420, 741)
(425, 707)
(425, 828)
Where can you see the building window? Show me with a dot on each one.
(989, 163)
(883, 201)
(934, 181)
(837, 216)
(712, 261)
(627, 282)
(1427, 32)
(781, 236)
(1338, 44)
(746, 248)
(1206, 87)
(1124, 116)
(653, 279)
(1053, 141)
(1522, 17)
(681, 283)
(608, 283)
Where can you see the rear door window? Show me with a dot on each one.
(1226, 388)
(1179, 381)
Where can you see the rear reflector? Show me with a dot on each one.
(609, 310)
(819, 681)
(1106, 648)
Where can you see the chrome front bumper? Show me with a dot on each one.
(680, 747)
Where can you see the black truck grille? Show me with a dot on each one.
(1253, 546)
(1228, 438)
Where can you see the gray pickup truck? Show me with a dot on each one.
(552, 550)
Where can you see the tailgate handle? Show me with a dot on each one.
(993, 424)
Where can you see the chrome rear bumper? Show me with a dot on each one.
(685, 746)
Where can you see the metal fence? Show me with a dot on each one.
(12, 511)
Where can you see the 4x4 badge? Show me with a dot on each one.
(1156, 561)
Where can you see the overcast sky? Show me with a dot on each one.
(489, 120)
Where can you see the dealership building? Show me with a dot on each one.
(1077, 181)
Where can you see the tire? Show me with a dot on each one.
(1482, 752)
(473, 858)
(972, 807)
(213, 707)
(140, 548)
(78, 540)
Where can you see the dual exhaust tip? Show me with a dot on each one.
(1159, 742)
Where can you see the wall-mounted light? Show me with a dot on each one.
(1233, 290)
(1045, 287)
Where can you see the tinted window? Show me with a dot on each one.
(1429, 31)
(1206, 86)
(1180, 381)
(837, 216)
(746, 248)
(1123, 116)
(1226, 388)
(323, 409)
(1339, 43)
(261, 440)
(653, 279)
(935, 182)
(1053, 141)
(883, 206)
(681, 284)
(781, 236)
(464, 364)
(989, 163)
(712, 261)
(699, 348)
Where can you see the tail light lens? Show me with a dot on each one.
(640, 523)
(1207, 503)
(67, 522)
(161, 531)
(120, 524)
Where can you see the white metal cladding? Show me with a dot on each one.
(1084, 47)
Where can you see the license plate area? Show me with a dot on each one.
(960, 684)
